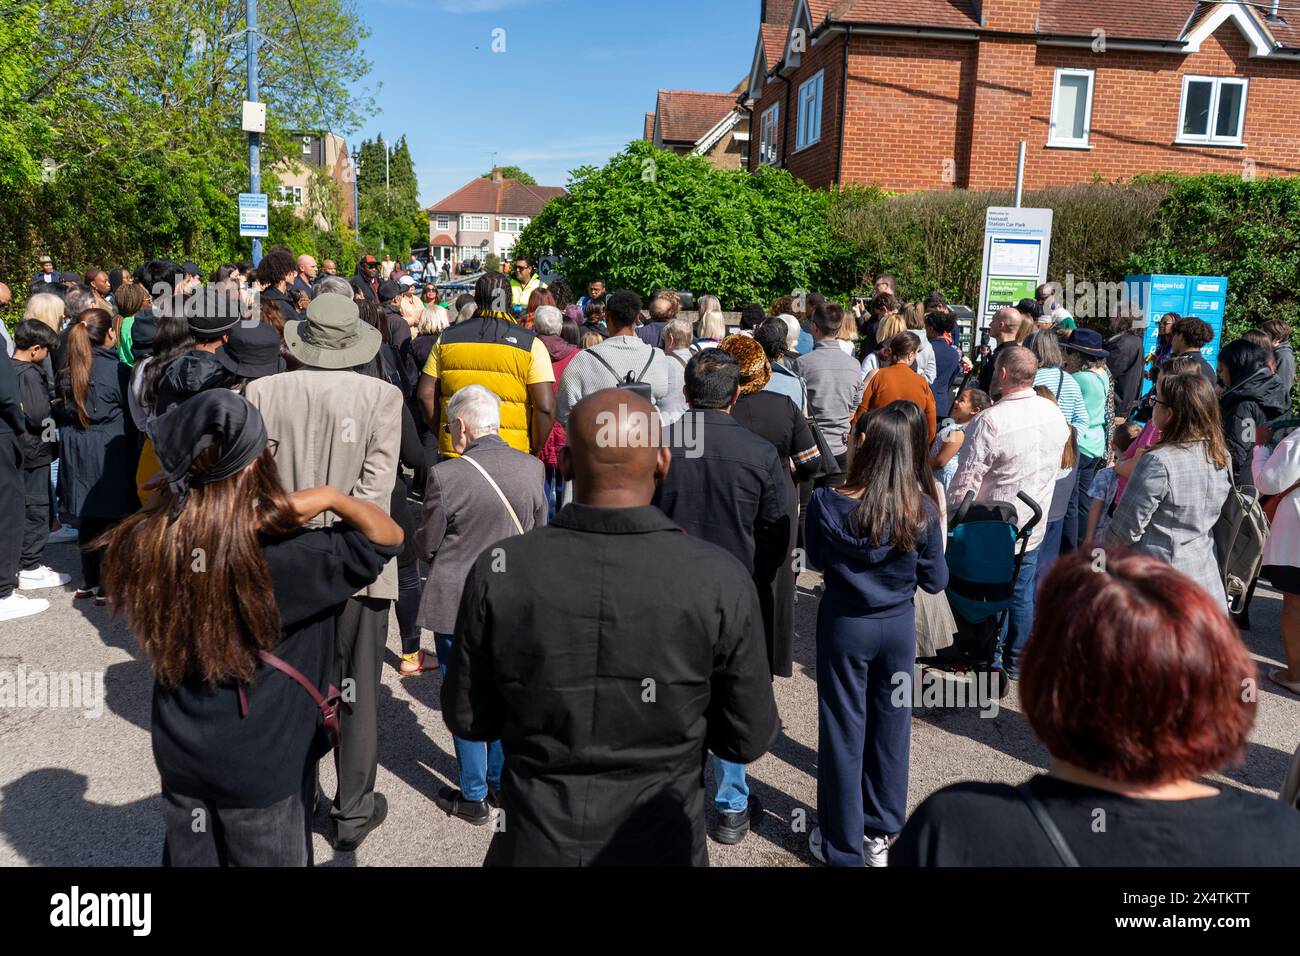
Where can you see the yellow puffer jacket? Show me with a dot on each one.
(497, 354)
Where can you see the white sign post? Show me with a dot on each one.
(1017, 245)
(254, 215)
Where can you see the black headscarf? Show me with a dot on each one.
(217, 418)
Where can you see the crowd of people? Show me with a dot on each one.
(599, 508)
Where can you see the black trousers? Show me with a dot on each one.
(12, 507)
(360, 633)
(408, 605)
(88, 529)
(197, 833)
(36, 532)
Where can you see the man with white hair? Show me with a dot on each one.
(306, 275)
(472, 502)
(334, 285)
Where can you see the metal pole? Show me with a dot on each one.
(254, 139)
(356, 202)
(1020, 175)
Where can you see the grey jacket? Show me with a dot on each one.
(335, 428)
(1169, 510)
(463, 517)
(834, 390)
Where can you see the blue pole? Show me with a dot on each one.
(254, 139)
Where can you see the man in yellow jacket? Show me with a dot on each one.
(524, 282)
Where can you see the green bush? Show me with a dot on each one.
(652, 219)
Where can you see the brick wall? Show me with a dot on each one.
(818, 164)
(908, 113)
(1135, 106)
(1002, 108)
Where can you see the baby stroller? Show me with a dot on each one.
(985, 554)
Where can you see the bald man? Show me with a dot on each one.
(1004, 329)
(608, 652)
(305, 278)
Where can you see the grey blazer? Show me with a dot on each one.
(463, 517)
(1169, 510)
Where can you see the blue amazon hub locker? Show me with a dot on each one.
(1204, 297)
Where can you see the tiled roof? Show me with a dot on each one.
(686, 115)
(774, 36)
(1148, 20)
(928, 13)
(443, 240)
(507, 198)
(649, 127)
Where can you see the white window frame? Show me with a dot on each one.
(808, 131)
(769, 135)
(474, 222)
(444, 223)
(1209, 137)
(1054, 137)
(513, 224)
(289, 196)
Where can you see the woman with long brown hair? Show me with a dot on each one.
(230, 600)
(1177, 492)
(876, 540)
(98, 439)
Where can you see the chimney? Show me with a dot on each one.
(496, 174)
(777, 12)
(1018, 16)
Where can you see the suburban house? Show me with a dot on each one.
(484, 215)
(938, 94)
(712, 125)
(316, 151)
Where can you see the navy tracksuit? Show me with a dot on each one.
(866, 635)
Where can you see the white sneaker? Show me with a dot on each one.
(42, 577)
(877, 850)
(63, 535)
(17, 605)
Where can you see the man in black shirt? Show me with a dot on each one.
(726, 486)
(1004, 328)
(604, 712)
(1126, 360)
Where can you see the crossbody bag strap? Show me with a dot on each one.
(293, 674)
(1052, 831)
(500, 494)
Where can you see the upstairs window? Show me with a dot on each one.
(767, 135)
(1213, 110)
(810, 112)
(1071, 108)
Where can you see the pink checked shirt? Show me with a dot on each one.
(1014, 446)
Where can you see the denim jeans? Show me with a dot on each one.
(1049, 550)
(733, 788)
(479, 763)
(554, 490)
(1020, 619)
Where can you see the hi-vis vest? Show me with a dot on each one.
(497, 354)
(520, 293)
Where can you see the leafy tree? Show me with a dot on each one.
(392, 219)
(135, 105)
(653, 219)
(512, 172)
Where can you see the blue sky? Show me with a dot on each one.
(570, 89)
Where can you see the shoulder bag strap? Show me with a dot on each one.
(1054, 835)
(650, 361)
(293, 674)
(500, 494)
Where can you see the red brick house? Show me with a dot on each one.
(712, 125)
(484, 216)
(934, 94)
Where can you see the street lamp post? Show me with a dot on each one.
(356, 205)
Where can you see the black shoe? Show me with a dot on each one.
(1242, 620)
(494, 798)
(453, 803)
(1001, 682)
(376, 818)
(734, 827)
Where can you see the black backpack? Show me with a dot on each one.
(628, 382)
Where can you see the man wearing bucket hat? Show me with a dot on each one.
(251, 352)
(1085, 360)
(339, 424)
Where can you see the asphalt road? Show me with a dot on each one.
(78, 788)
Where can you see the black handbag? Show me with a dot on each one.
(827, 464)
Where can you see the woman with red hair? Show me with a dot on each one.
(1138, 685)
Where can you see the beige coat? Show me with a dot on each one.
(335, 428)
